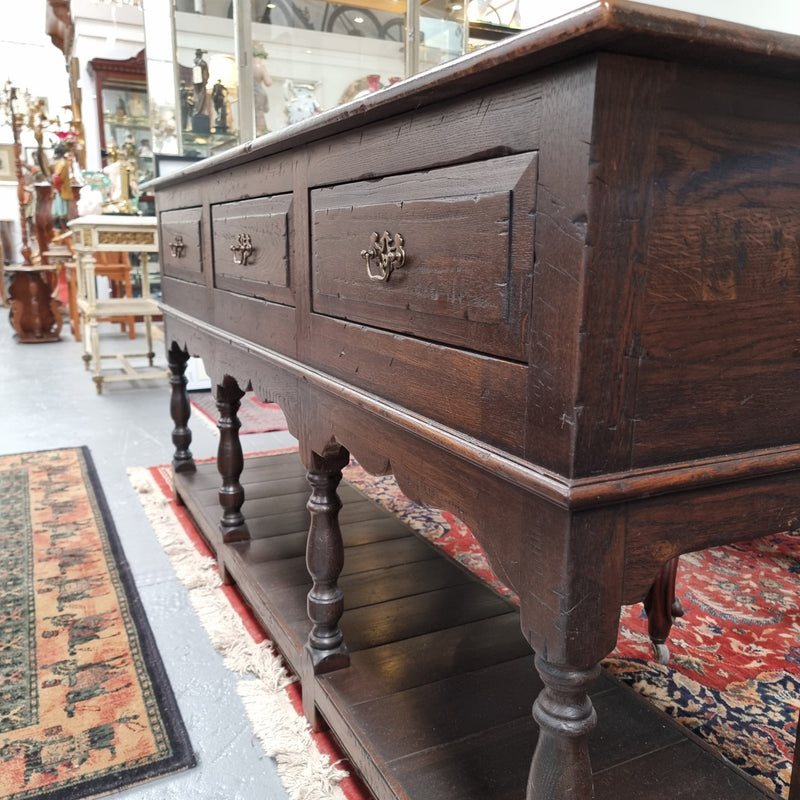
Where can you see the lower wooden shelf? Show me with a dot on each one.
(437, 700)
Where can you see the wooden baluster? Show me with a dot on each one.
(325, 649)
(561, 769)
(230, 462)
(661, 607)
(180, 410)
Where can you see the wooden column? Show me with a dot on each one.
(325, 649)
(180, 410)
(230, 462)
(561, 768)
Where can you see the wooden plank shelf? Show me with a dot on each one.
(436, 702)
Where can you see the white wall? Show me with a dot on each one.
(31, 61)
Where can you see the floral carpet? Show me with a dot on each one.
(734, 671)
(86, 708)
(255, 416)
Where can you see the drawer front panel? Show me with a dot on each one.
(458, 284)
(181, 250)
(251, 247)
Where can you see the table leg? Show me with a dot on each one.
(72, 290)
(94, 338)
(561, 769)
(180, 410)
(230, 462)
(131, 320)
(661, 607)
(87, 293)
(148, 322)
(148, 333)
(325, 649)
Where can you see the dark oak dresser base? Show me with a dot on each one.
(553, 288)
(436, 701)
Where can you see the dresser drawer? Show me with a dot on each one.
(467, 242)
(181, 250)
(251, 247)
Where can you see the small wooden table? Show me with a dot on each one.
(35, 311)
(104, 233)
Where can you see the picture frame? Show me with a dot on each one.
(170, 164)
(8, 167)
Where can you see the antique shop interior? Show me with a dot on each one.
(240, 405)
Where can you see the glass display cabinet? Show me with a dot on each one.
(124, 114)
(221, 72)
(490, 21)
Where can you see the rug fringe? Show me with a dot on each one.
(305, 772)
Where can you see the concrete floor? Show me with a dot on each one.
(48, 400)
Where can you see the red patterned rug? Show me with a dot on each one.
(734, 671)
(86, 708)
(255, 416)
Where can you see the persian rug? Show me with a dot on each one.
(309, 764)
(255, 416)
(734, 671)
(86, 708)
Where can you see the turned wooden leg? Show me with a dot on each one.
(561, 769)
(180, 410)
(662, 607)
(97, 365)
(325, 649)
(230, 462)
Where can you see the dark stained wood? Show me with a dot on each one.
(324, 561)
(182, 252)
(410, 733)
(467, 290)
(182, 459)
(35, 311)
(662, 607)
(265, 271)
(230, 461)
(592, 362)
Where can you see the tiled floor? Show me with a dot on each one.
(48, 400)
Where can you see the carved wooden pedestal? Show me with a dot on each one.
(35, 312)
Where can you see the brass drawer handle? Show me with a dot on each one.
(242, 249)
(177, 247)
(387, 253)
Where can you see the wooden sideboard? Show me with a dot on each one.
(553, 287)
